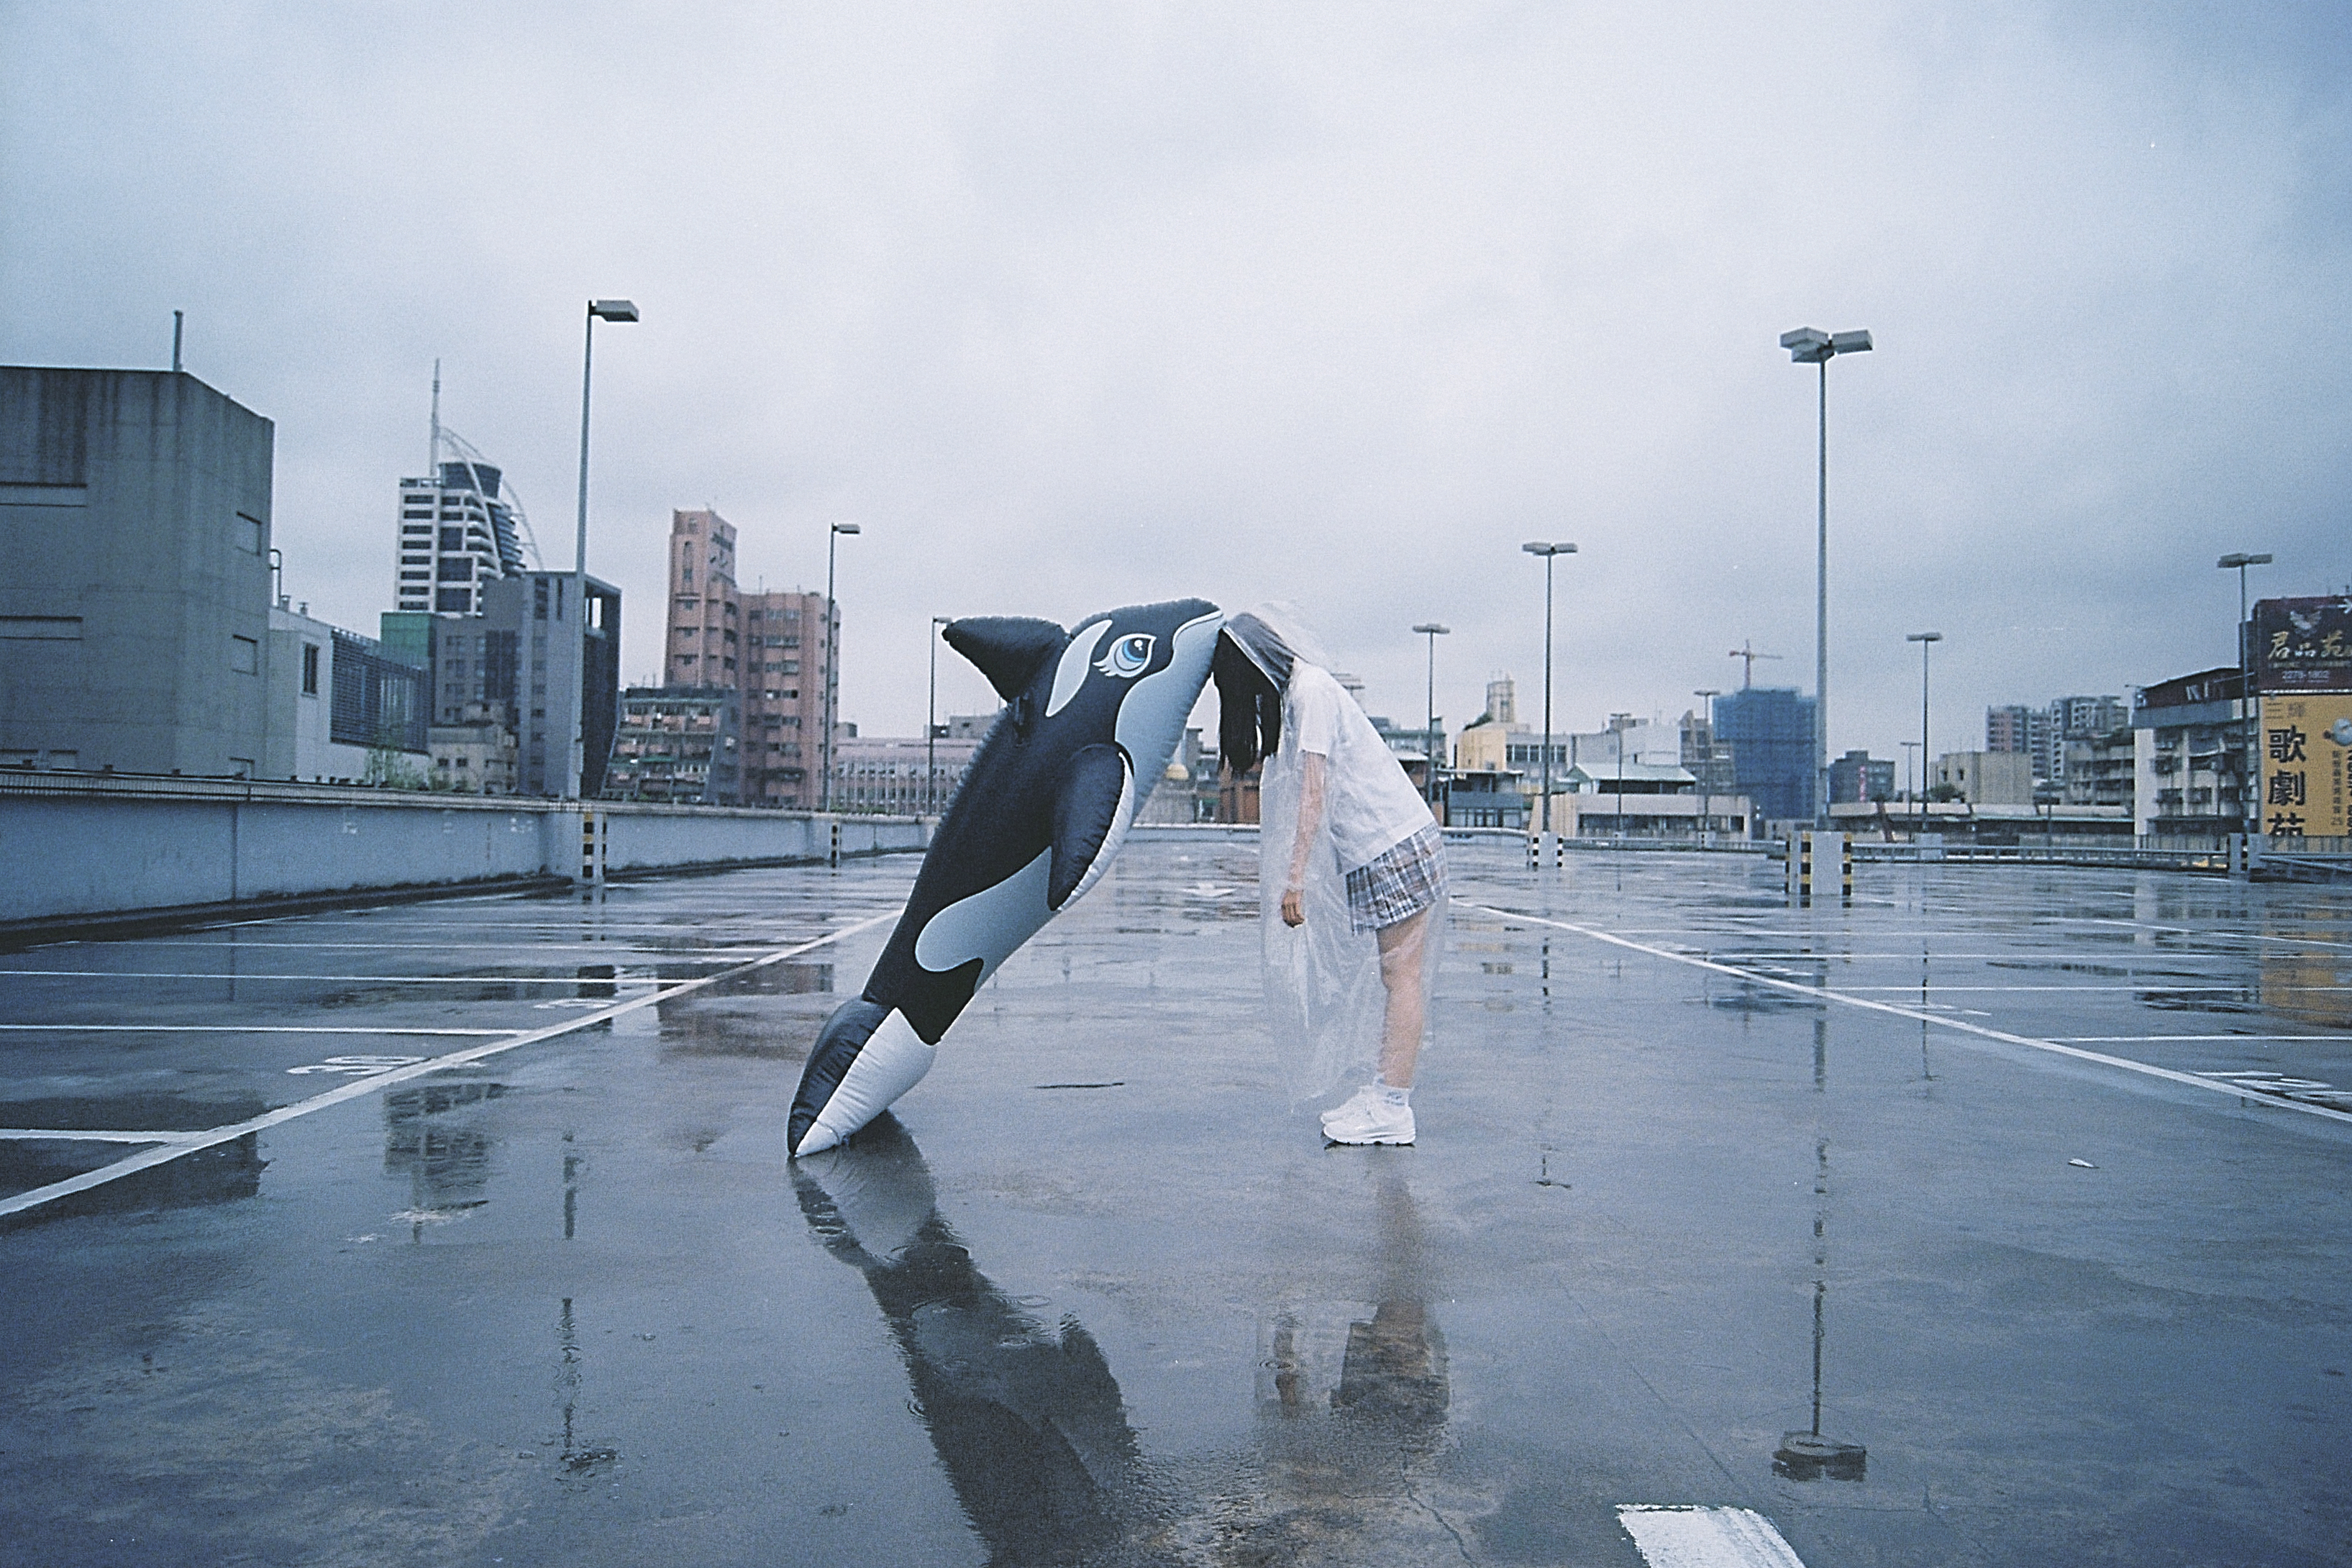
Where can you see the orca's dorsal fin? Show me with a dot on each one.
(1008, 650)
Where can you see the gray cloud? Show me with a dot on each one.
(1075, 306)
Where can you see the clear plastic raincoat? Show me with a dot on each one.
(1324, 981)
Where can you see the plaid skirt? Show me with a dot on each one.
(1399, 882)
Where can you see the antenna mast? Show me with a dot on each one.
(433, 459)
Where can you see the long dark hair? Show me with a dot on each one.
(1249, 707)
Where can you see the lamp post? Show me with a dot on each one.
(1621, 723)
(1912, 749)
(1923, 639)
(1546, 550)
(598, 311)
(2239, 561)
(931, 725)
(1811, 345)
(1706, 771)
(832, 663)
(1432, 631)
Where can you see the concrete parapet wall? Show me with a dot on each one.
(95, 848)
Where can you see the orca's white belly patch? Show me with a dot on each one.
(988, 924)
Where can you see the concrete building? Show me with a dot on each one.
(134, 616)
(2014, 727)
(1769, 730)
(477, 754)
(565, 674)
(679, 744)
(775, 647)
(342, 709)
(1860, 777)
(1984, 778)
(2100, 769)
(2189, 763)
(456, 536)
(888, 772)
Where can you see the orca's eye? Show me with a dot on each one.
(1129, 657)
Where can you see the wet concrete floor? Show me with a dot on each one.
(1863, 1218)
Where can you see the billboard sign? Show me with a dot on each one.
(2303, 645)
(2307, 757)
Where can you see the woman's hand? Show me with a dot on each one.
(1294, 908)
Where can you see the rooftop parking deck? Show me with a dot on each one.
(1999, 1217)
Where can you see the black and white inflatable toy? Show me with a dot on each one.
(1091, 717)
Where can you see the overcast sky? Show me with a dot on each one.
(1077, 306)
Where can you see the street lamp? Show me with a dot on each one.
(2239, 561)
(1911, 748)
(1621, 723)
(1540, 547)
(1923, 639)
(1706, 770)
(1811, 345)
(832, 663)
(931, 726)
(1432, 631)
(598, 311)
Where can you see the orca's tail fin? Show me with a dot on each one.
(866, 1057)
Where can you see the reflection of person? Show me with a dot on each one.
(1364, 875)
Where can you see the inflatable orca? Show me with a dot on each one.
(1090, 720)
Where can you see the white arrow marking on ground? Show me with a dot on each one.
(1706, 1536)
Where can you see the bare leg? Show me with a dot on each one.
(1402, 950)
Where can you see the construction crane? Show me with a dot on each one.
(1747, 650)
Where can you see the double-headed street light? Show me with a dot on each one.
(832, 663)
(1546, 550)
(2247, 792)
(1811, 345)
(1432, 631)
(598, 311)
(1923, 639)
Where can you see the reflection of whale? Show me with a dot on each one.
(1091, 717)
(1026, 1418)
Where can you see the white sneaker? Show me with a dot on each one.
(1370, 1118)
(1355, 1104)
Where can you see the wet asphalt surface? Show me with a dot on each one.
(1096, 1294)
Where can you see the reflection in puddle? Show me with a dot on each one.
(1025, 1416)
(429, 1136)
(1808, 1456)
(1352, 1407)
(223, 1174)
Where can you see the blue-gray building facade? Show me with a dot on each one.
(1769, 730)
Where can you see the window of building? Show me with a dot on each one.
(310, 669)
(454, 601)
(244, 656)
(252, 533)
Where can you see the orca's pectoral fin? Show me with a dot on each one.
(1008, 650)
(1094, 782)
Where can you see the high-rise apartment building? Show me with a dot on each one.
(774, 647)
(456, 537)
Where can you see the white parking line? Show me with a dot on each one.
(234, 1029)
(1942, 1020)
(82, 1135)
(189, 1143)
(362, 979)
(1706, 1536)
(2129, 1039)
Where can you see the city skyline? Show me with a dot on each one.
(1250, 307)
